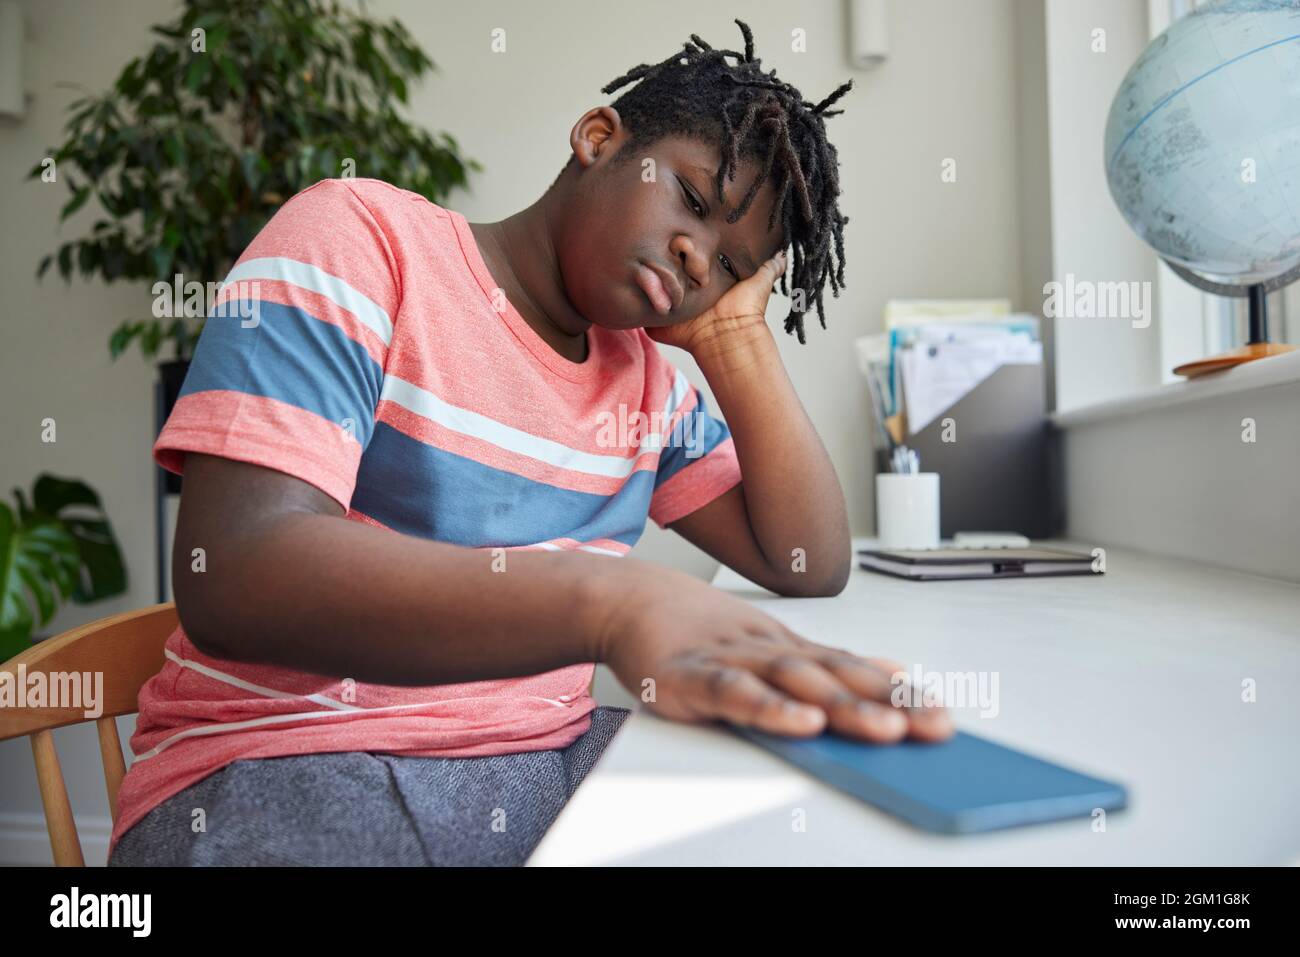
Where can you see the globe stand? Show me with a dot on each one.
(1257, 345)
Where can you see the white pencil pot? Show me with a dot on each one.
(907, 510)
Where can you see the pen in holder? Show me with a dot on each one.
(907, 504)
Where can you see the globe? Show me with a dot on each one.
(1203, 145)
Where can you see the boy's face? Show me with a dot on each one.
(628, 213)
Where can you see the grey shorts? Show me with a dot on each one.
(357, 808)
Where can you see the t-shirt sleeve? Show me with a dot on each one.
(698, 459)
(289, 366)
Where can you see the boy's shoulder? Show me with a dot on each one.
(373, 193)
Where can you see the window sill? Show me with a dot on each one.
(1260, 374)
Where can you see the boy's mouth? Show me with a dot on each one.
(662, 291)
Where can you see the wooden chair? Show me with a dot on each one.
(128, 649)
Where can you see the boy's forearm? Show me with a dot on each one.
(792, 493)
(331, 596)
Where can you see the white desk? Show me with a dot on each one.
(1134, 676)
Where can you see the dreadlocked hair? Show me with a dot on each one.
(697, 93)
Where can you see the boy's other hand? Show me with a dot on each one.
(694, 653)
(742, 306)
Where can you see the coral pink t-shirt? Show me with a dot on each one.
(360, 344)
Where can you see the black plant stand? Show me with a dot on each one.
(166, 391)
(160, 496)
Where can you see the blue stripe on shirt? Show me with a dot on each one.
(697, 434)
(417, 489)
(293, 357)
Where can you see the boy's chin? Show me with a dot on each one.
(623, 322)
(619, 323)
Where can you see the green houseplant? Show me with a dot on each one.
(239, 105)
(58, 547)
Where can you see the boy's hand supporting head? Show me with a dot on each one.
(743, 306)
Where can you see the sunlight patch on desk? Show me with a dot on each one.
(625, 814)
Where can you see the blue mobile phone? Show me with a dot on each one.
(959, 786)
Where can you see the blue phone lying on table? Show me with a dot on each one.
(959, 786)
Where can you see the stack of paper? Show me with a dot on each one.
(933, 352)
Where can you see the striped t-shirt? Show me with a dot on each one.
(360, 344)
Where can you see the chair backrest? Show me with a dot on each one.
(127, 649)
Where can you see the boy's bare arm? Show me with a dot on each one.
(288, 581)
(785, 526)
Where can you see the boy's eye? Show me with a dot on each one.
(699, 211)
(694, 203)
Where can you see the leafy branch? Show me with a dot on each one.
(239, 105)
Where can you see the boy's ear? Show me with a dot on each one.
(592, 134)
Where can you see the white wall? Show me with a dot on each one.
(1178, 479)
(54, 363)
(1034, 173)
(1095, 358)
(949, 89)
(1157, 469)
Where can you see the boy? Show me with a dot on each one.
(339, 693)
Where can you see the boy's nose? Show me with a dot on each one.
(692, 263)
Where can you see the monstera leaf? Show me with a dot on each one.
(102, 572)
(59, 548)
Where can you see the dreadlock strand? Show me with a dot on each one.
(749, 39)
(840, 91)
(743, 206)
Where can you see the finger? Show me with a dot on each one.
(849, 713)
(930, 723)
(888, 665)
(736, 695)
(885, 681)
(874, 678)
(863, 679)
(765, 276)
(772, 270)
(928, 719)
